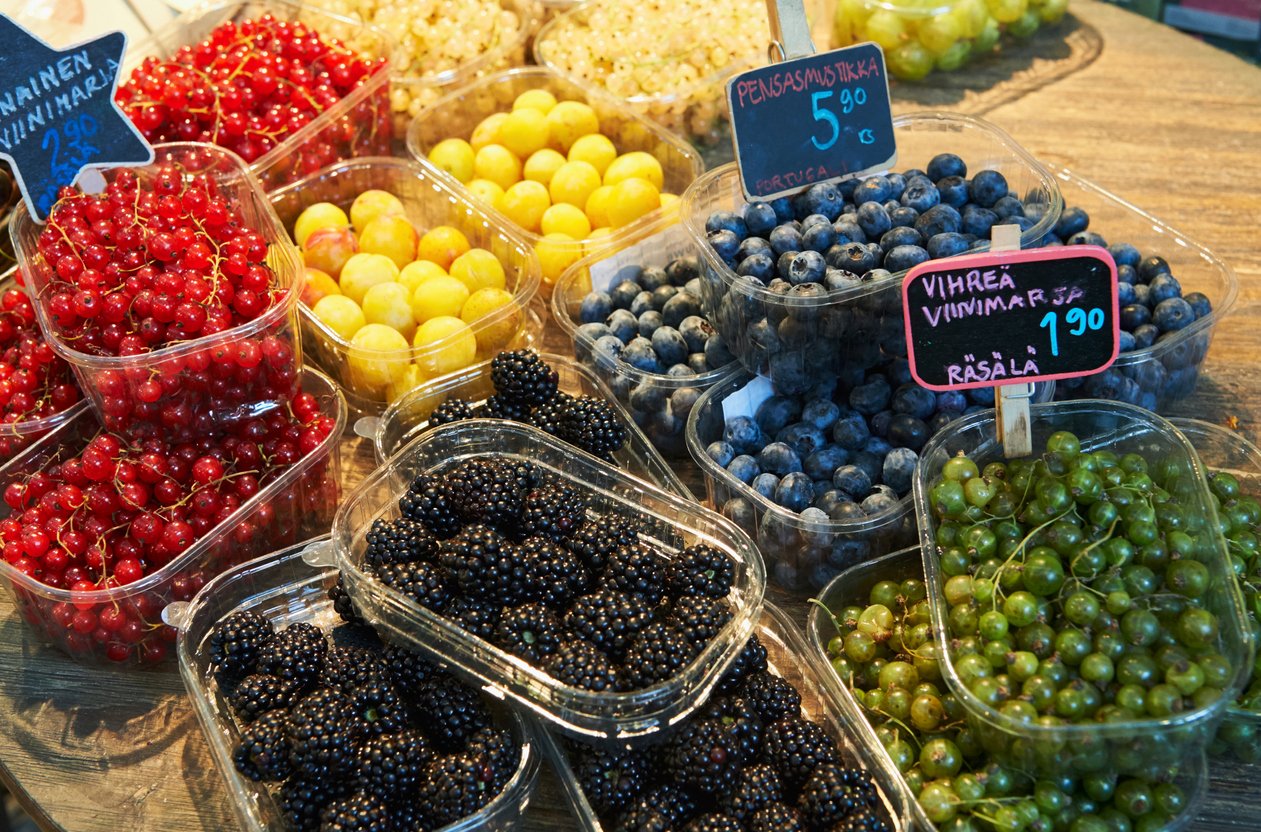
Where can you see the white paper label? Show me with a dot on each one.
(746, 400)
(658, 250)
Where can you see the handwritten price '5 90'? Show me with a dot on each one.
(849, 99)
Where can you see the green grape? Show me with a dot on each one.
(886, 28)
(988, 37)
(938, 34)
(953, 58)
(911, 62)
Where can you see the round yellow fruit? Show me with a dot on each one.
(632, 198)
(390, 304)
(569, 121)
(447, 344)
(417, 272)
(670, 205)
(492, 336)
(524, 132)
(565, 219)
(498, 164)
(573, 183)
(487, 132)
(409, 381)
(635, 165)
(378, 356)
(316, 284)
(540, 100)
(442, 244)
(363, 271)
(524, 203)
(340, 314)
(372, 204)
(486, 192)
(391, 235)
(596, 149)
(319, 215)
(597, 207)
(556, 253)
(542, 165)
(479, 269)
(455, 156)
(438, 297)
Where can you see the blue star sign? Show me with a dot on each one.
(57, 113)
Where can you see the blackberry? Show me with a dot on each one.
(658, 652)
(700, 618)
(554, 575)
(323, 731)
(554, 511)
(409, 670)
(756, 787)
(428, 584)
(497, 407)
(658, 810)
(523, 377)
(302, 799)
(343, 604)
(608, 620)
(401, 540)
(702, 570)
(474, 615)
(713, 822)
(408, 816)
(611, 780)
(598, 539)
(428, 502)
(455, 787)
(260, 693)
(773, 697)
(592, 424)
(794, 746)
(357, 813)
(580, 665)
(390, 765)
(532, 633)
(863, 820)
(752, 659)
(832, 793)
(351, 668)
(296, 653)
(452, 711)
(235, 642)
(454, 409)
(777, 817)
(263, 753)
(499, 748)
(637, 570)
(486, 491)
(644, 818)
(704, 755)
(478, 560)
(547, 417)
(380, 708)
(741, 720)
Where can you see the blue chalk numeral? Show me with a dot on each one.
(1079, 320)
(824, 114)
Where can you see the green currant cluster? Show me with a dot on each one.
(885, 653)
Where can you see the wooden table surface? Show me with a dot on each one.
(1169, 123)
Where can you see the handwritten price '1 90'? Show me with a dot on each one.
(849, 98)
(1079, 320)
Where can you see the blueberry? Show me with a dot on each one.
(752, 246)
(952, 191)
(783, 264)
(1127, 274)
(879, 423)
(983, 396)
(721, 452)
(953, 400)
(939, 219)
(609, 348)
(871, 397)
(819, 237)
(726, 221)
(946, 164)
(847, 230)
(669, 346)
(899, 469)
(812, 220)
(1152, 266)
(850, 431)
(696, 332)
(640, 355)
(682, 401)
(920, 195)
(871, 464)
(1200, 303)
(683, 305)
(594, 332)
(1163, 287)
(848, 511)
(852, 257)
(803, 438)
(1126, 341)
(759, 218)
(839, 279)
(680, 371)
(822, 413)
(641, 304)
(900, 236)
(623, 293)
(596, 306)
(877, 445)
(853, 480)
(902, 258)
(783, 209)
(762, 335)
(822, 463)
(760, 267)
(683, 269)
(649, 322)
(1087, 238)
(1143, 294)
(778, 458)
(879, 503)
(717, 353)
(662, 294)
(740, 512)
(903, 216)
(987, 187)
(654, 278)
(623, 325)
(744, 468)
(1072, 221)
(697, 363)
(785, 238)
(1008, 207)
(941, 419)
(898, 372)
(948, 244)
(765, 484)
(647, 397)
(725, 243)
(694, 287)
(873, 219)
(914, 400)
(977, 220)
(806, 267)
(1135, 315)
(794, 492)
(1172, 314)
(907, 431)
(871, 189)
(744, 435)
(776, 413)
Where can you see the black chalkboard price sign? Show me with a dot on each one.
(815, 119)
(1000, 318)
(57, 113)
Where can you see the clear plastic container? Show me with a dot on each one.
(1129, 745)
(296, 505)
(358, 125)
(1222, 449)
(853, 587)
(849, 327)
(1167, 371)
(669, 521)
(659, 403)
(429, 200)
(456, 115)
(695, 109)
(206, 381)
(285, 589)
(408, 417)
(821, 698)
(801, 555)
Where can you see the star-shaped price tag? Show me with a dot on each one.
(58, 119)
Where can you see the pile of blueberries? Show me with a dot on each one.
(843, 452)
(1153, 312)
(810, 293)
(648, 340)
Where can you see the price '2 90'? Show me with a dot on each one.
(849, 98)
